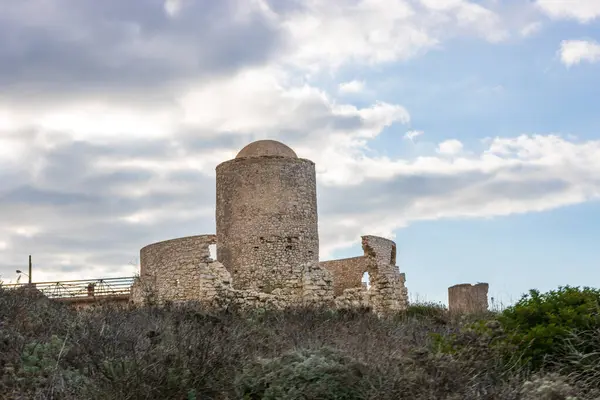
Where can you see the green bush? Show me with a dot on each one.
(540, 323)
(550, 331)
(323, 374)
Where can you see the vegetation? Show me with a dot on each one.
(547, 346)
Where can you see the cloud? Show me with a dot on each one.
(115, 114)
(531, 29)
(173, 7)
(573, 52)
(583, 11)
(353, 86)
(450, 147)
(411, 135)
(328, 35)
(56, 48)
(527, 173)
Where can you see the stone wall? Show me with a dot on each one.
(176, 269)
(347, 273)
(266, 215)
(387, 291)
(467, 298)
(181, 270)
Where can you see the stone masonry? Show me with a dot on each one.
(467, 298)
(268, 246)
(267, 217)
(181, 270)
(387, 291)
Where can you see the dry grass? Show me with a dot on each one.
(49, 351)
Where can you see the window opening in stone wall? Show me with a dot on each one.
(212, 250)
(366, 280)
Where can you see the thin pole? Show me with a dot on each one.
(30, 269)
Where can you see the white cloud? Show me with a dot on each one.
(327, 35)
(450, 147)
(573, 52)
(353, 86)
(173, 7)
(472, 17)
(411, 135)
(528, 173)
(531, 29)
(583, 11)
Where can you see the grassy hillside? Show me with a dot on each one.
(545, 347)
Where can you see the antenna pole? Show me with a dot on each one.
(30, 269)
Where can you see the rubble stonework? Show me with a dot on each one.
(181, 270)
(177, 269)
(268, 246)
(467, 298)
(347, 273)
(266, 214)
(387, 290)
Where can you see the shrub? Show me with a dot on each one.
(42, 370)
(540, 323)
(550, 387)
(318, 374)
(48, 350)
(431, 310)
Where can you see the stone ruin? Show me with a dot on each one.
(467, 298)
(267, 246)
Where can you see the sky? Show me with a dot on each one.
(466, 131)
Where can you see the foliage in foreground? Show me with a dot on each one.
(554, 332)
(540, 323)
(49, 351)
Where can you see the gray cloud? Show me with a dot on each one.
(83, 47)
(398, 193)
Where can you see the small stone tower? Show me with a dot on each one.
(266, 214)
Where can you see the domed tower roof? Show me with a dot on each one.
(262, 148)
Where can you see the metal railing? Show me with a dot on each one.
(80, 288)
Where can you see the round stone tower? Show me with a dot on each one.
(266, 211)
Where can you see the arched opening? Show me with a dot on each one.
(366, 280)
(212, 250)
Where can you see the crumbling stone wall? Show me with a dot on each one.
(467, 298)
(181, 270)
(178, 269)
(387, 291)
(347, 272)
(266, 216)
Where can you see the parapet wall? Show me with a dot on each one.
(467, 298)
